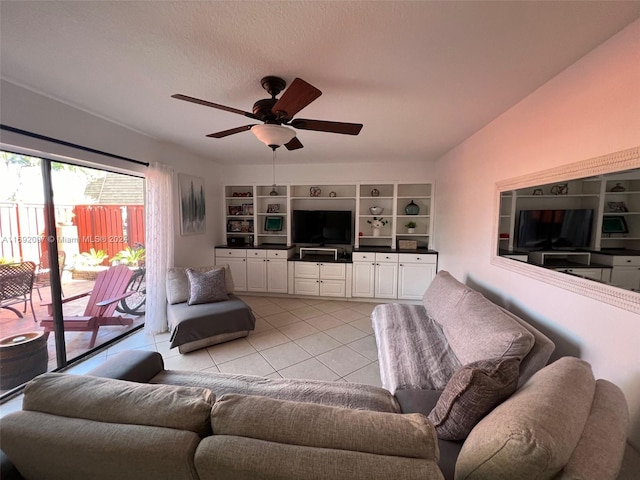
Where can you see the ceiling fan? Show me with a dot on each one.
(275, 113)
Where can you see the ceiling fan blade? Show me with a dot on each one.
(295, 98)
(324, 126)
(294, 144)
(187, 98)
(226, 133)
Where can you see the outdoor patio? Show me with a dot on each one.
(76, 342)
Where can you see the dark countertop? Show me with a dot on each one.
(390, 250)
(564, 263)
(264, 246)
(309, 257)
(618, 251)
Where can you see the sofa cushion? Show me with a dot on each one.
(601, 447)
(206, 287)
(339, 394)
(119, 401)
(178, 282)
(51, 447)
(475, 328)
(472, 392)
(540, 425)
(191, 323)
(322, 426)
(230, 457)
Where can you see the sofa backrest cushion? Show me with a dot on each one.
(322, 426)
(539, 354)
(52, 447)
(476, 328)
(260, 437)
(178, 283)
(472, 392)
(119, 401)
(601, 447)
(533, 433)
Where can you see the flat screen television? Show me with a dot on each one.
(554, 229)
(322, 227)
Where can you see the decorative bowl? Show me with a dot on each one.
(376, 210)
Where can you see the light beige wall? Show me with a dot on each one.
(590, 109)
(28, 110)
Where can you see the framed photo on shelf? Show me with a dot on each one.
(246, 227)
(273, 224)
(234, 226)
(234, 209)
(614, 224)
(247, 209)
(273, 208)
(618, 207)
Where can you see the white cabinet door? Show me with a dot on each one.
(386, 283)
(306, 286)
(363, 279)
(276, 276)
(238, 267)
(332, 288)
(307, 270)
(256, 274)
(413, 279)
(626, 277)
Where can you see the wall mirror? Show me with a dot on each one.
(576, 226)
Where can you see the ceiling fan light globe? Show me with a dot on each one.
(273, 136)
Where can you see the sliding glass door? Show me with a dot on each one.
(72, 252)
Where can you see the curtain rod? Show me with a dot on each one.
(69, 144)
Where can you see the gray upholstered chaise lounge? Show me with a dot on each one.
(198, 326)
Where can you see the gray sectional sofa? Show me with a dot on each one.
(141, 421)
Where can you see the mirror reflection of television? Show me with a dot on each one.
(555, 229)
(614, 224)
(322, 227)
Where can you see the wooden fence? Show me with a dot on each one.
(103, 227)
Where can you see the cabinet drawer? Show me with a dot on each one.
(277, 254)
(417, 258)
(631, 261)
(386, 257)
(256, 253)
(363, 257)
(307, 270)
(231, 252)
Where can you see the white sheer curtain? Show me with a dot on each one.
(159, 245)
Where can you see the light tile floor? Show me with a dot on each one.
(294, 338)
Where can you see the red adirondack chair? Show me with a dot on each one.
(109, 289)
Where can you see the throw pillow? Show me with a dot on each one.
(206, 287)
(471, 393)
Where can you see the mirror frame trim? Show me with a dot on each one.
(605, 164)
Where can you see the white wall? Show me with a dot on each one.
(590, 109)
(28, 110)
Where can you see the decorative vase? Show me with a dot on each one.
(617, 188)
(412, 209)
(376, 210)
(375, 192)
(376, 232)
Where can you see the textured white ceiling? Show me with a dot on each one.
(421, 76)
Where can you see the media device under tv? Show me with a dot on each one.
(554, 229)
(322, 227)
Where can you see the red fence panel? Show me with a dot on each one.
(135, 225)
(100, 227)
